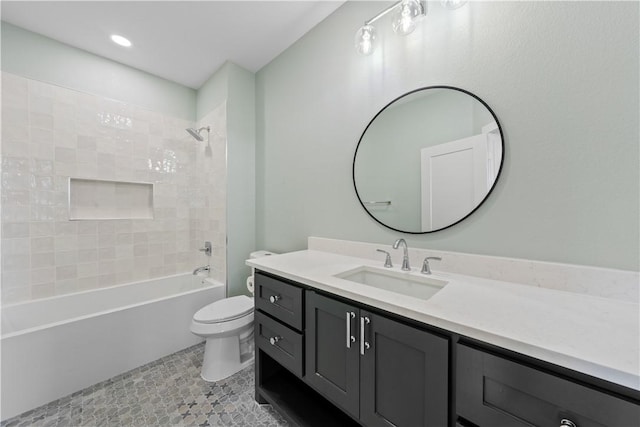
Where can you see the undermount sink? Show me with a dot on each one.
(405, 283)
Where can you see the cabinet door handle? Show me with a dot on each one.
(364, 345)
(350, 338)
(567, 423)
(274, 298)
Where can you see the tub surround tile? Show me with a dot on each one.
(43, 260)
(50, 134)
(15, 229)
(17, 246)
(40, 276)
(41, 245)
(15, 262)
(44, 290)
(601, 282)
(19, 278)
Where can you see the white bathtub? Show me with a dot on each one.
(55, 346)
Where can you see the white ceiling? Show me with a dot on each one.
(182, 41)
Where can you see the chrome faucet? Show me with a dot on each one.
(201, 269)
(426, 269)
(405, 258)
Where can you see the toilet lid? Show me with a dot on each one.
(225, 309)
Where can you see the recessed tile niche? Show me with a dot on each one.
(91, 199)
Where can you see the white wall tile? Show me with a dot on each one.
(15, 229)
(43, 260)
(87, 255)
(51, 133)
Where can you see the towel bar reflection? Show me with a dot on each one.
(380, 203)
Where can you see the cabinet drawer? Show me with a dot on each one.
(494, 391)
(283, 344)
(280, 299)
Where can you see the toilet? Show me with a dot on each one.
(227, 326)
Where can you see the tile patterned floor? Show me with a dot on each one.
(167, 392)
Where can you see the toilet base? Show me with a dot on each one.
(222, 358)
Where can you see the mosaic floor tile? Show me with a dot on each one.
(166, 392)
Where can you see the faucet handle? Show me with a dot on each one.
(426, 269)
(387, 261)
(206, 249)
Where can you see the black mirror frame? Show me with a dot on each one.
(353, 167)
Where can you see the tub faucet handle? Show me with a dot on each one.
(206, 249)
(387, 261)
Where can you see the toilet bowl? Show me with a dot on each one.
(227, 326)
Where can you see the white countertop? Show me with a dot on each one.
(597, 336)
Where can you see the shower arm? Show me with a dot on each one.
(196, 133)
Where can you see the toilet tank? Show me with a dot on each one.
(260, 254)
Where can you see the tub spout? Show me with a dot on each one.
(201, 269)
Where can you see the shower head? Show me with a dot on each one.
(196, 133)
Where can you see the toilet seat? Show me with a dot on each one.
(225, 310)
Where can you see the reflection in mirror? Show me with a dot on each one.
(428, 159)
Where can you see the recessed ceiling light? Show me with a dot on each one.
(122, 41)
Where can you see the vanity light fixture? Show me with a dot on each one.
(406, 14)
(120, 40)
(365, 39)
(404, 22)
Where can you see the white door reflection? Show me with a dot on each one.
(456, 176)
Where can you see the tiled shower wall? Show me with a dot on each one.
(51, 133)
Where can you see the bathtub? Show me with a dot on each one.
(55, 346)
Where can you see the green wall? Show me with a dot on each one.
(31, 55)
(562, 78)
(236, 86)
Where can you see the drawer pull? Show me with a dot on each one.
(567, 423)
(363, 344)
(350, 338)
(274, 298)
(274, 340)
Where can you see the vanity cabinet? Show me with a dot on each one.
(380, 371)
(328, 361)
(279, 367)
(496, 391)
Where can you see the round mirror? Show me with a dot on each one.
(428, 159)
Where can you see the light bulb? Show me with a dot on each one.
(122, 41)
(452, 4)
(365, 39)
(404, 21)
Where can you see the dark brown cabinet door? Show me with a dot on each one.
(404, 375)
(332, 368)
